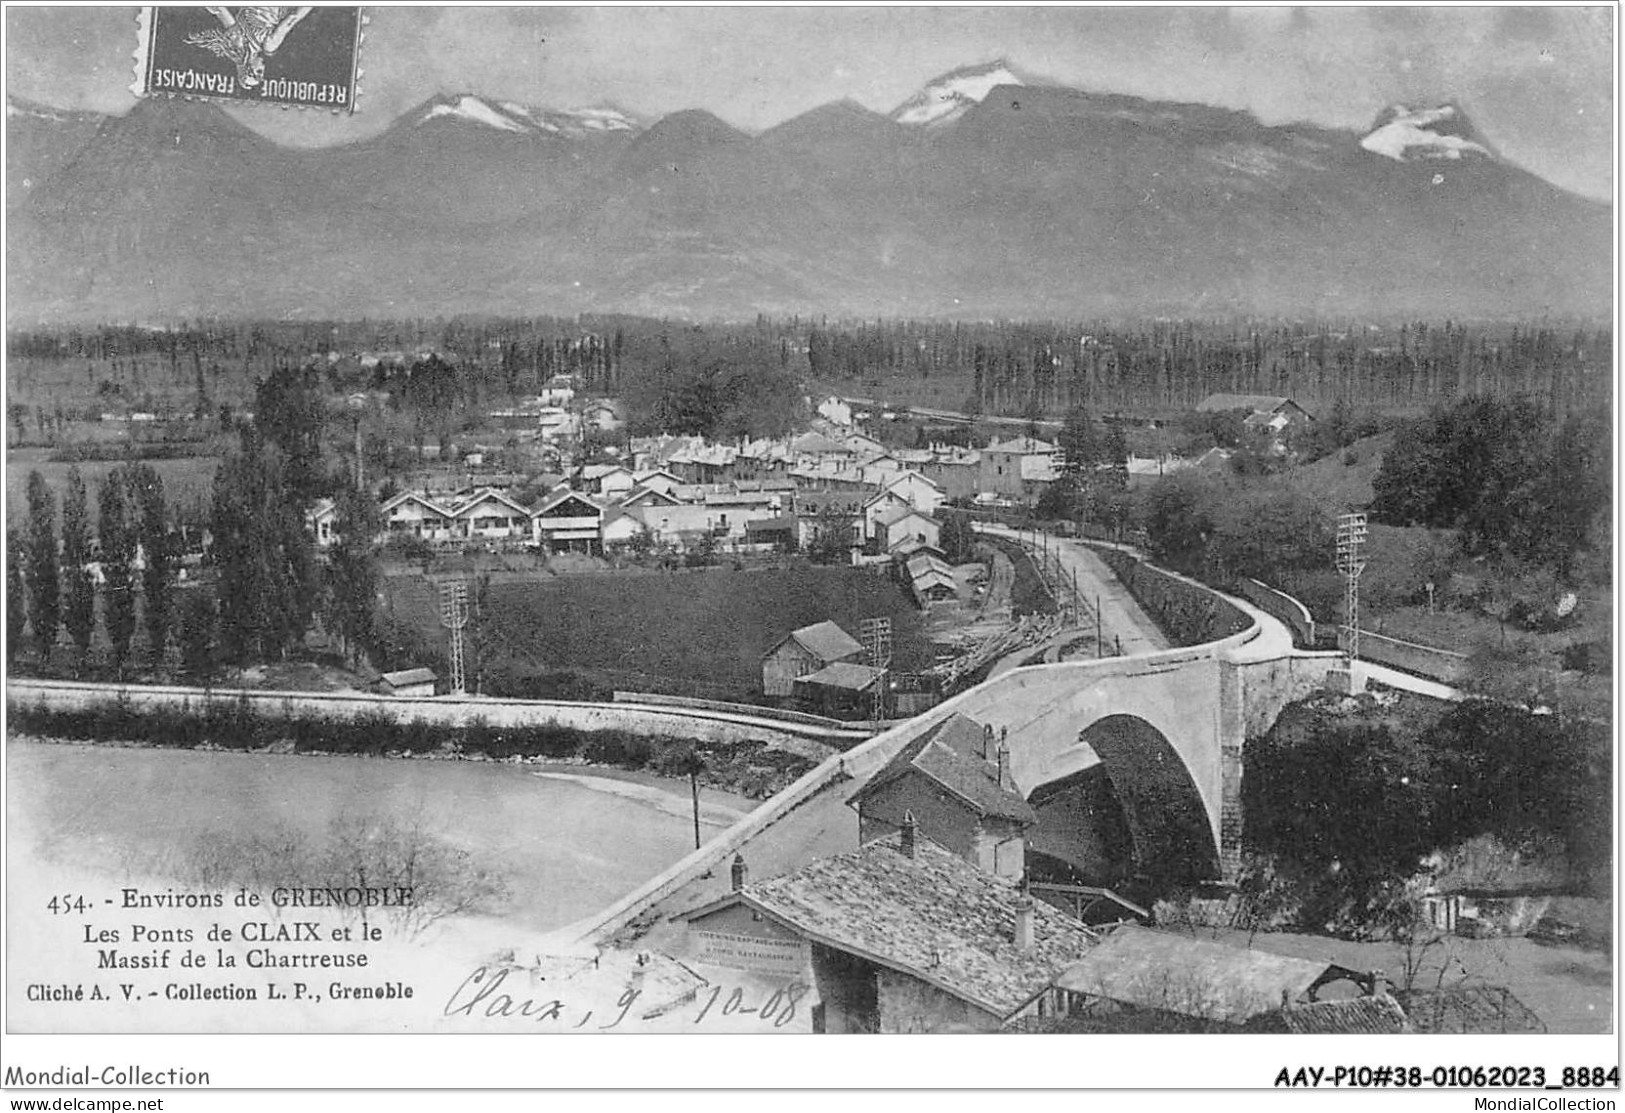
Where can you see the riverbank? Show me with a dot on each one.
(753, 768)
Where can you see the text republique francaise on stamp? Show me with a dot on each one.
(306, 57)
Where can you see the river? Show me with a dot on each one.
(567, 840)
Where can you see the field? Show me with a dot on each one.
(188, 483)
(704, 631)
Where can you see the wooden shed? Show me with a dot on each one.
(803, 652)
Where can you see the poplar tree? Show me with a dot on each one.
(79, 610)
(353, 575)
(197, 636)
(116, 528)
(269, 582)
(16, 594)
(44, 598)
(145, 489)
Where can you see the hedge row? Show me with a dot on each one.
(746, 767)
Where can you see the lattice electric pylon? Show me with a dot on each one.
(454, 617)
(1351, 538)
(875, 634)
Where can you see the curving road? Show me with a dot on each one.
(1122, 622)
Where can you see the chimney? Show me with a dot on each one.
(1379, 983)
(738, 873)
(988, 749)
(910, 831)
(1006, 781)
(1024, 922)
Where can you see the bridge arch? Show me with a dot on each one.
(1166, 816)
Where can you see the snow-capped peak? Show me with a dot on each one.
(1407, 134)
(478, 110)
(510, 115)
(950, 96)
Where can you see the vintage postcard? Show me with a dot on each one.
(1080, 522)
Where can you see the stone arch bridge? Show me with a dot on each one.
(1170, 727)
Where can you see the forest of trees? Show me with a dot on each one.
(1015, 368)
(1363, 802)
(266, 589)
(1507, 475)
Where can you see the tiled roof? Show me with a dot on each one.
(826, 641)
(599, 471)
(1196, 977)
(563, 496)
(960, 733)
(1372, 1015)
(844, 674)
(956, 769)
(908, 546)
(926, 563)
(816, 444)
(934, 916)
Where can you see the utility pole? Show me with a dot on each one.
(1100, 641)
(454, 616)
(1351, 539)
(694, 790)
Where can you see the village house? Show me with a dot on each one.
(904, 523)
(880, 505)
(921, 493)
(1142, 969)
(1269, 418)
(955, 781)
(320, 519)
(608, 480)
(1009, 467)
(835, 410)
(828, 518)
(488, 515)
(407, 682)
(656, 479)
(619, 529)
(898, 936)
(844, 690)
(411, 512)
(956, 471)
(805, 651)
(568, 522)
(931, 579)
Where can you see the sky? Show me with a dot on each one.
(1536, 81)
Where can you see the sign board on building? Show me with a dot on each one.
(750, 952)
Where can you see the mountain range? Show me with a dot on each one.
(987, 194)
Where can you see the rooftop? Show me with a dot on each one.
(1373, 1015)
(826, 641)
(403, 677)
(933, 916)
(843, 674)
(949, 756)
(1196, 977)
(1027, 446)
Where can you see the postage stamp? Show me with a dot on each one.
(306, 57)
